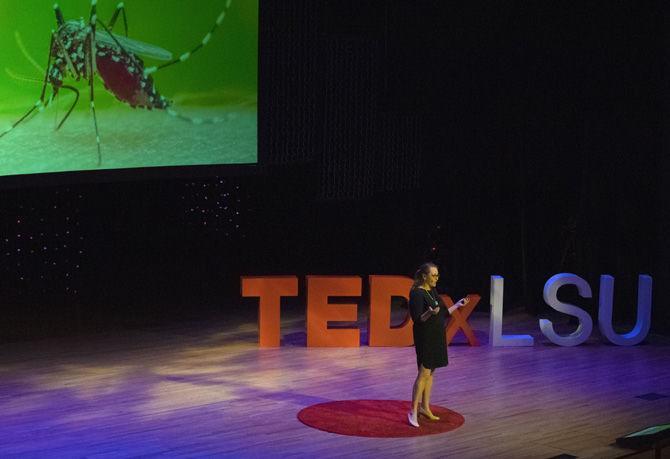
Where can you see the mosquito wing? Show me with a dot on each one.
(133, 46)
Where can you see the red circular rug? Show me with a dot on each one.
(376, 418)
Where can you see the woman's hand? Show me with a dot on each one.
(459, 304)
(462, 302)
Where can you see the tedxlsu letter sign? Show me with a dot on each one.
(270, 289)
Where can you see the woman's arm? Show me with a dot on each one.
(424, 317)
(417, 306)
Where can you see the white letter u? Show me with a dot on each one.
(643, 322)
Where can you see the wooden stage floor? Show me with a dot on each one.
(207, 390)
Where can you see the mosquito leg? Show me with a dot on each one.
(93, 20)
(202, 43)
(76, 99)
(59, 15)
(57, 100)
(90, 58)
(40, 104)
(120, 8)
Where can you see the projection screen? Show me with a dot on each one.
(88, 85)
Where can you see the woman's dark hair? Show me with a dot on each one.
(418, 275)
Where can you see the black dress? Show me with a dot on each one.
(429, 336)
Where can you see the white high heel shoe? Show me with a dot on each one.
(411, 420)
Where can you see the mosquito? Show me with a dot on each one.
(82, 50)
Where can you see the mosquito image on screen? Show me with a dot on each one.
(81, 50)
